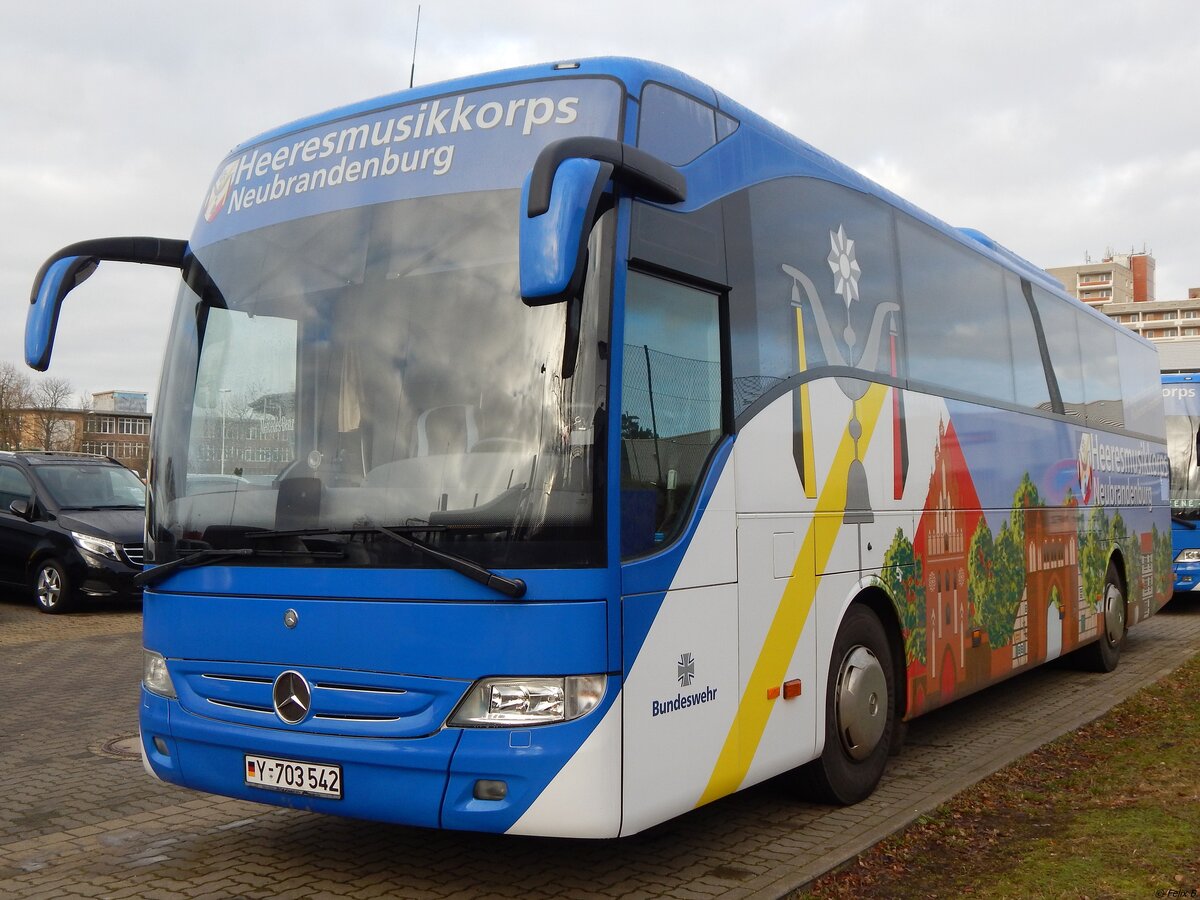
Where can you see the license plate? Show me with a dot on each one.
(294, 777)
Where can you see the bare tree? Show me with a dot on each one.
(55, 430)
(14, 397)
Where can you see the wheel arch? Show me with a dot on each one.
(1116, 557)
(875, 598)
(45, 550)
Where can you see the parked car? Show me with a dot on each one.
(71, 527)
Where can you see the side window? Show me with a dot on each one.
(673, 126)
(1029, 373)
(814, 280)
(956, 316)
(13, 486)
(1101, 371)
(671, 408)
(1059, 323)
(1140, 386)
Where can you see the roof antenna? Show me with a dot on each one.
(413, 71)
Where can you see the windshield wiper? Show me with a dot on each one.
(1186, 523)
(195, 558)
(204, 557)
(510, 587)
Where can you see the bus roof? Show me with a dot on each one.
(797, 158)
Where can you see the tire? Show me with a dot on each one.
(1103, 654)
(860, 711)
(52, 589)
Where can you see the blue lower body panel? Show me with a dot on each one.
(427, 781)
(401, 781)
(1187, 576)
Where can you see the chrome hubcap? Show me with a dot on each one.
(1114, 615)
(861, 702)
(49, 587)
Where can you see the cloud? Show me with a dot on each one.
(1057, 128)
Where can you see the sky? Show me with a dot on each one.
(1057, 128)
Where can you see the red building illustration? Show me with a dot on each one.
(1051, 616)
(951, 514)
(1052, 589)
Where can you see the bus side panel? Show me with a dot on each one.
(803, 564)
(776, 592)
(680, 702)
(682, 686)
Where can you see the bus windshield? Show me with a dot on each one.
(1183, 447)
(375, 366)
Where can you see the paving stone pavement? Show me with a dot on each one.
(78, 818)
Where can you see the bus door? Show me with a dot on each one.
(678, 536)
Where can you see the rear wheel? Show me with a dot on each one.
(1103, 654)
(859, 712)
(52, 588)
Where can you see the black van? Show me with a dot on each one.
(71, 526)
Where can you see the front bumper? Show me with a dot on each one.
(1187, 576)
(427, 781)
(102, 578)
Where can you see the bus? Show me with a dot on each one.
(1181, 398)
(557, 450)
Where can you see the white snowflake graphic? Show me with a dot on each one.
(844, 266)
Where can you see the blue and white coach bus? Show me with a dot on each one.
(1181, 397)
(557, 450)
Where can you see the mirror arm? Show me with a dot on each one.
(147, 250)
(648, 175)
(69, 268)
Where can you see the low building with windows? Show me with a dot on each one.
(117, 425)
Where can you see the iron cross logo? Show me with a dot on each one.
(686, 668)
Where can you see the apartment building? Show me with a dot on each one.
(1117, 278)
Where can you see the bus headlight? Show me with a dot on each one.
(155, 676)
(1190, 556)
(522, 702)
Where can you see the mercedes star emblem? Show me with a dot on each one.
(292, 697)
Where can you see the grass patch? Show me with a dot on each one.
(1109, 810)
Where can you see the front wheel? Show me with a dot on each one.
(1103, 654)
(52, 587)
(859, 713)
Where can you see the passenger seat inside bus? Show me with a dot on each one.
(446, 429)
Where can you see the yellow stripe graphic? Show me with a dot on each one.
(771, 667)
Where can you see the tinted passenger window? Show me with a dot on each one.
(673, 126)
(1101, 371)
(816, 285)
(1062, 337)
(956, 316)
(1140, 386)
(13, 486)
(1029, 373)
(671, 406)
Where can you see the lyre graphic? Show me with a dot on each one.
(846, 271)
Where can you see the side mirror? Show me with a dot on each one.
(69, 268)
(553, 243)
(559, 202)
(21, 508)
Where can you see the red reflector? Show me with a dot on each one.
(772, 693)
(791, 689)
